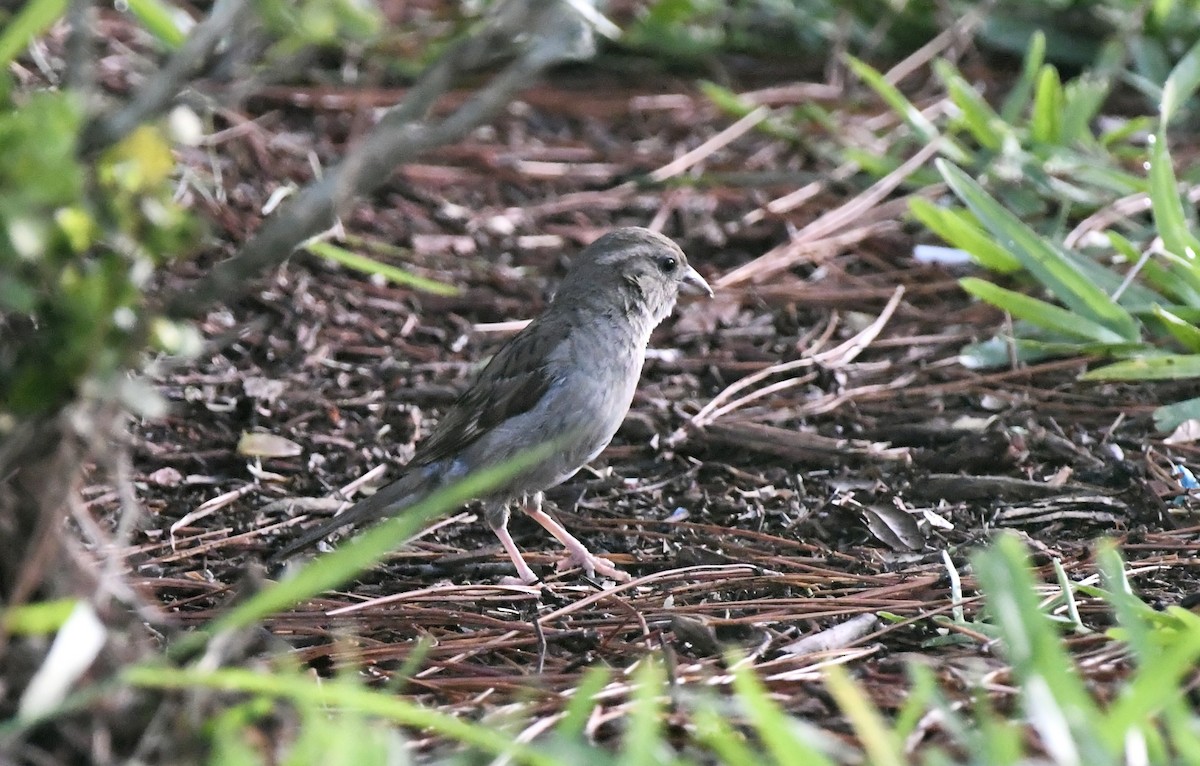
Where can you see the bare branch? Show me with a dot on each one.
(157, 94)
(542, 32)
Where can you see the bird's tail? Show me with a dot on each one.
(392, 499)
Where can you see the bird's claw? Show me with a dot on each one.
(591, 564)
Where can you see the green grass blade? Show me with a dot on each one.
(779, 733)
(159, 20)
(1134, 297)
(1017, 99)
(878, 739)
(892, 96)
(1040, 313)
(1054, 698)
(41, 618)
(735, 105)
(371, 266)
(977, 115)
(1185, 332)
(1181, 85)
(31, 21)
(1167, 205)
(716, 733)
(1165, 367)
(896, 100)
(1045, 124)
(957, 228)
(339, 694)
(582, 703)
(1082, 99)
(1180, 730)
(643, 742)
(1172, 282)
(1055, 273)
(1167, 646)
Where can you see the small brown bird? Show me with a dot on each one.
(569, 376)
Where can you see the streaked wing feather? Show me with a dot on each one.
(512, 383)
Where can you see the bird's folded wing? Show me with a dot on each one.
(511, 384)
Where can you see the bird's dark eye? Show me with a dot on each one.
(667, 264)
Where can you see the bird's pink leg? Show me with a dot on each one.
(578, 554)
(498, 520)
(523, 571)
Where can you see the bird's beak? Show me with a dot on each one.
(692, 283)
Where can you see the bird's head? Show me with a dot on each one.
(639, 269)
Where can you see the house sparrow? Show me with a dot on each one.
(568, 376)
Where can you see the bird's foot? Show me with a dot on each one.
(591, 564)
(510, 580)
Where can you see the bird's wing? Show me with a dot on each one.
(512, 383)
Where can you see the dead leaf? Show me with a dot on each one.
(267, 445)
(696, 632)
(894, 527)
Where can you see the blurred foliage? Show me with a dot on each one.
(1156, 33)
(1129, 289)
(278, 713)
(78, 243)
(81, 238)
(1058, 190)
(299, 25)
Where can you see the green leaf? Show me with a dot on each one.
(1056, 274)
(1181, 85)
(1170, 416)
(1164, 367)
(371, 266)
(159, 20)
(31, 21)
(1040, 313)
(959, 229)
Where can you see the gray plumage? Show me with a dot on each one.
(569, 375)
